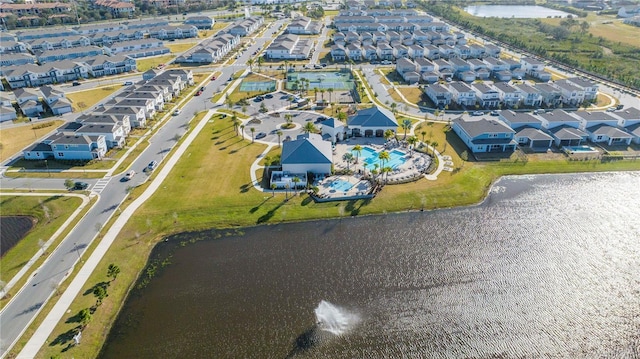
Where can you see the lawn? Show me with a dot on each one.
(152, 62)
(608, 27)
(49, 212)
(180, 48)
(227, 199)
(82, 100)
(13, 140)
(413, 94)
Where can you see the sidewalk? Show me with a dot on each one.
(59, 310)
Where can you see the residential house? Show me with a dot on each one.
(136, 115)
(118, 9)
(431, 52)
(444, 68)
(504, 76)
(370, 52)
(16, 60)
(289, 46)
(103, 65)
(416, 51)
(48, 32)
(487, 97)
(304, 26)
(467, 76)
(11, 46)
(590, 88)
(551, 95)
(385, 51)
(492, 50)
(169, 32)
(571, 94)
(495, 65)
(372, 122)
(440, 96)
(424, 65)
(104, 27)
(528, 130)
(529, 95)
(201, 22)
(463, 95)
(137, 48)
(68, 54)
(146, 24)
(563, 127)
(101, 119)
(535, 68)
(67, 147)
(56, 100)
(244, 27)
(338, 53)
(509, 95)
(630, 121)
(603, 127)
(484, 135)
(7, 111)
(355, 52)
(113, 133)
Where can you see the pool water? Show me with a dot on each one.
(584, 149)
(341, 185)
(370, 157)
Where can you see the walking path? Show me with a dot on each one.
(47, 326)
(50, 241)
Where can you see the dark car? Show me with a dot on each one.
(261, 135)
(76, 83)
(202, 89)
(198, 93)
(268, 95)
(80, 185)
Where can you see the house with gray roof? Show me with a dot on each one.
(56, 100)
(372, 122)
(333, 130)
(564, 128)
(66, 146)
(16, 59)
(463, 95)
(440, 96)
(304, 26)
(590, 88)
(536, 139)
(289, 46)
(67, 54)
(484, 135)
(571, 94)
(201, 22)
(603, 127)
(307, 153)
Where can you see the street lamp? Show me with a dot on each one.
(47, 165)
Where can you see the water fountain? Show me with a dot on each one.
(333, 319)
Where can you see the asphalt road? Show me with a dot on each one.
(25, 305)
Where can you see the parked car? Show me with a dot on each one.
(213, 78)
(80, 186)
(129, 175)
(268, 95)
(152, 166)
(538, 111)
(202, 89)
(176, 112)
(128, 83)
(316, 66)
(620, 107)
(611, 109)
(261, 135)
(477, 113)
(75, 83)
(494, 113)
(324, 64)
(386, 62)
(198, 93)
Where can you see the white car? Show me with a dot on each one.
(176, 112)
(129, 175)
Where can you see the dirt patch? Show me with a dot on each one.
(12, 230)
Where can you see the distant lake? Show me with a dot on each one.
(508, 11)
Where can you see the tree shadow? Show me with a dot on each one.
(101, 284)
(256, 208)
(267, 216)
(65, 338)
(306, 201)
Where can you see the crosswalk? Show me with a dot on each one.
(100, 185)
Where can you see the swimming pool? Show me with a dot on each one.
(370, 157)
(341, 185)
(580, 149)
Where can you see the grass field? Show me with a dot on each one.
(50, 213)
(413, 94)
(180, 48)
(152, 62)
(13, 140)
(83, 100)
(609, 27)
(227, 200)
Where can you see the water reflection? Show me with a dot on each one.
(546, 267)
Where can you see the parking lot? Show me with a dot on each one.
(269, 124)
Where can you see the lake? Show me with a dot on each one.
(546, 266)
(517, 11)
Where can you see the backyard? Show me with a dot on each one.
(17, 138)
(82, 100)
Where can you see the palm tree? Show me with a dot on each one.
(309, 127)
(385, 172)
(260, 62)
(358, 150)
(242, 130)
(384, 157)
(330, 90)
(236, 122)
(348, 158)
(253, 131)
(412, 141)
(434, 144)
(374, 171)
(228, 102)
(388, 134)
(295, 181)
(288, 118)
(322, 94)
(113, 271)
(250, 63)
(273, 189)
(394, 108)
(315, 93)
(279, 133)
(423, 133)
(406, 125)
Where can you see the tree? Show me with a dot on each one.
(406, 125)
(347, 158)
(385, 172)
(315, 93)
(236, 122)
(228, 102)
(434, 144)
(309, 127)
(273, 189)
(394, 108)
(388, 134)
(260, 62)
(330, 90)
(253, 131)
(358, 150)
(279, 133)
(100, 292)
(68, 183)
(464, 156)
(242, 130)
(295, 181)
(113, 271)
(85, 316)
(412, 141)
(384, 157)
(423, 133)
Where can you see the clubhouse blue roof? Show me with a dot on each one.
(332, 123)
(309, 148)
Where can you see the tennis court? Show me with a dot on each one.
(322, 80)
(257, 86)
